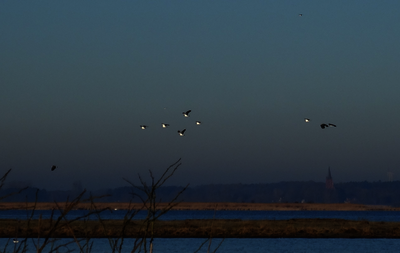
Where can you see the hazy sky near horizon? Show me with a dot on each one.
(78, 78)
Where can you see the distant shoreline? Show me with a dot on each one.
(210, 206)
(206, 228)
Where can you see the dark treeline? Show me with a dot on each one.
(369, 193)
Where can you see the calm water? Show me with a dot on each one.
(245, 245)
(244, 215)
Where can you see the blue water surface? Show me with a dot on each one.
(186, 245)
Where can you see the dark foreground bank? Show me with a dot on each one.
(294, 228)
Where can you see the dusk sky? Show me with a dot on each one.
(78, 78)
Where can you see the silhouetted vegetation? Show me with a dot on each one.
(45, 233)
(368, 193)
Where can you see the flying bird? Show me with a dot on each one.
(181, 133)
(198, 122)
(323, 126)
(186, 114)
(15, 240)
(300, 15)
(164, 125)
(53, 167)
(143, 127)
(307, 120)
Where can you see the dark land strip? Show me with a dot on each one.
(209, 206)
(218, 228)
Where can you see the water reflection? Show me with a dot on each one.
(239, 245)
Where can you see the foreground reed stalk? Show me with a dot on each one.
(81, 229)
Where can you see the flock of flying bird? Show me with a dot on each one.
(186, 115)
(165, 125)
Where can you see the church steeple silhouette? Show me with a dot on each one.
(329, 181)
